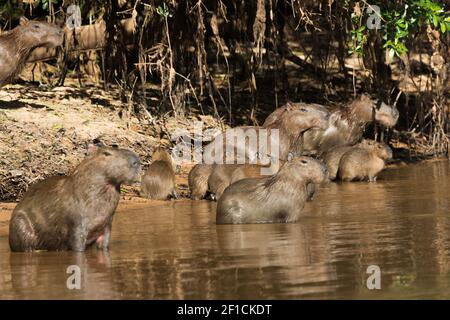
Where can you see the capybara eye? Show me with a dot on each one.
(304, 161)
(36, 26)
(106, 153)
(303, 110)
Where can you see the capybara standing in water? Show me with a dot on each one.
(158, 182)
(198, 180)
(277, 198)
(17, 45)
(364, 162)
(75, 211)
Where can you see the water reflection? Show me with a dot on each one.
(175, 250)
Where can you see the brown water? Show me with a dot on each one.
(175, 251)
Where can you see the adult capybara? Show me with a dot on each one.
(198, 180)
(277, 198)
(347, 124)
(365, 162)
(17, 45)
(248, 141)
(158, 182)
(75, 211)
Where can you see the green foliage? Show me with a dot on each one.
(44, 4)
(10, 9)
(163, 11)
(400, 21)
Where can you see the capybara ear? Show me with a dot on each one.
(24, 21)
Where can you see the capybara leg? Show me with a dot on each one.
(310, 191)
(78, 239)
(22, 236)
(373, 179)
(174, 194)
(102, 242)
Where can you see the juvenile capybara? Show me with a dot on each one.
(75, 211)
(288, 127)
(277, 198)
(332, 158)
(346, 125)
(198, 180)
(17, 45)
(158, 182)
(364, 162)
(225, 174)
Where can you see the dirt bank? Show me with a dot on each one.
(44, 131)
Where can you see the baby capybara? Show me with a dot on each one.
(158, 182)
(75, 211)
(364, 162)
(17, 45)
(198, 180)
(277, 198)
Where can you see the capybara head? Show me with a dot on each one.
(37, 33)
(161, 154)
(365, 107)
(381, 150)
(386, 115)
(299, 115)
(306, 168)
(116, 166)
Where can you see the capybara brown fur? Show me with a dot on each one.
(364, 162)
(17, 45)
(225, 174)
(75, 211)
(332, 158)
(288, 126)
(158, 182)
(346, 124)
(279, 198)
(198, 180)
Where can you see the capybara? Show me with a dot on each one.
(332, 158)
(289, 126)
(17, 45)
(75, 211)
(277, 198)
(346, 126)
(364, 162)
(198, 180)
(158, 182)
(225, 174)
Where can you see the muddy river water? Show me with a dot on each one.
(175, 251)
